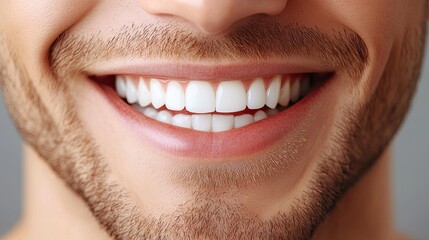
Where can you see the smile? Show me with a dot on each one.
(212, 113)
(214, 106)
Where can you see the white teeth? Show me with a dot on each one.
(230, 97)
(273, 92)
(121, 86)
(256, 94)
(182, 120)
(243, 120)
(150, 112)
(221, 123)
(305, 86)
(259, 115)
(200, 97)
(294, 91)
(131, 91)
(202, 122)
(175, 96)
(164, 116)
(143, 93)
(285, 94)
(157, 93)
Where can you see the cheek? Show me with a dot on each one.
(382, 25)
(31, 26)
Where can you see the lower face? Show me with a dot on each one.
(191, 143)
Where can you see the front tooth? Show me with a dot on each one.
(175, 96)
(259, 115)
(202, 122)
(157, 93)
(200, 97)
(143, 93)
(221, 123)
(243, 120)
(150, 112)
(305, 86)
(273, 92)
(182, 120)
(230, 97)
(294, 91)
(121, 86)
(285, 94)
(164, 116)
(131, 91)
(256, 95)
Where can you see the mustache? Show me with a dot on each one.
(257, 40)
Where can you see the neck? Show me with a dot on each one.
(52, 211)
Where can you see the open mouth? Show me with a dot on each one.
(213, 106)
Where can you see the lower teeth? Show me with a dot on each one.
(205, 122)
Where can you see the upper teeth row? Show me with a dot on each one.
(203, 97)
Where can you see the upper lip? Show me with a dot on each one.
(205, 71)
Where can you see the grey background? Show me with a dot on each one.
(410, 177)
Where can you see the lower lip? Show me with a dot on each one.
(183, 142)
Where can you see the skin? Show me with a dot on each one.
(97, 173)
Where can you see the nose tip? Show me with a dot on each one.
(213, 16)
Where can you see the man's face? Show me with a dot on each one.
(322, 86)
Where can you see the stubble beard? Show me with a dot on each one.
(69, 150)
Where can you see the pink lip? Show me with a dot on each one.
(206, 72)
(183, 142)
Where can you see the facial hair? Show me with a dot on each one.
(62, 141)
